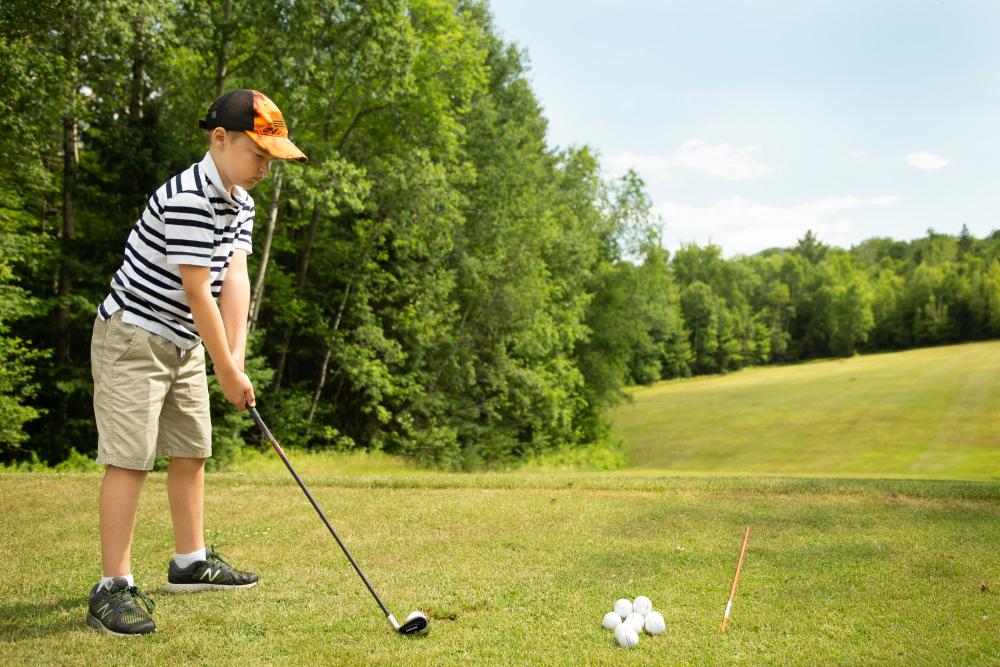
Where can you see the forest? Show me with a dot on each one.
(437, 282)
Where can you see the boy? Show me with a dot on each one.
(187, 248)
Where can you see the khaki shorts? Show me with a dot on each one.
(149, 399)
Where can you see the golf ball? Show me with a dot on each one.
(623, 608)
(642, 605)
(635, 620)
(626, 635)
(611, 620)
(654, 623)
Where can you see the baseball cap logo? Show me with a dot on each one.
(269, 130)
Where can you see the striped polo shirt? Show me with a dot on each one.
(190, 219)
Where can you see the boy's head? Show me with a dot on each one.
(245, 131)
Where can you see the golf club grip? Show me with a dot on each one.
(288, 464)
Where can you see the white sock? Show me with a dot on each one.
(105, 581)
(183, 560)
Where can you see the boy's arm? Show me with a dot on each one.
(234, 304)
(208, 320)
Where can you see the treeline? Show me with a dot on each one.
(787, 305)
(437, 282)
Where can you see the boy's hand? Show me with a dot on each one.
(236, 385)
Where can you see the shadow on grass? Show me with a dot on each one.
(21, 621)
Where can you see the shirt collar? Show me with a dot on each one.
(211, 174)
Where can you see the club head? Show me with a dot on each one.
(415, 624)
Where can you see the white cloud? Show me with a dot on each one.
(722, 160)
(861, 153)
(741, 226)
(925, 160)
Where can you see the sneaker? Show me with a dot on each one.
(115, 609)
(204, 575)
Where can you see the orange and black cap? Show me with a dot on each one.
(253, 112)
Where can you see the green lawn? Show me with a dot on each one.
(518, 568)
(932, 413)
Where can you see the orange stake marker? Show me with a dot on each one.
(732, 593)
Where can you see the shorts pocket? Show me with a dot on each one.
(131, 337)
(118, 338)
(98, 339)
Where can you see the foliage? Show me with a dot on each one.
(438, 283)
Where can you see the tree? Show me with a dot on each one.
(810, 248)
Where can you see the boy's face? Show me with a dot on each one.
(243, 162)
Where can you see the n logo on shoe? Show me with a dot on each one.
(210, 574)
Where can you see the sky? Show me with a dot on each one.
(754, 121)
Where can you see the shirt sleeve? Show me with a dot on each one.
(189, 229)
(244, 236)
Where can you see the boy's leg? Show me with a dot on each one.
(114, 607)
(185, 435)
(118, 503)
(127, 383)
(186, 491)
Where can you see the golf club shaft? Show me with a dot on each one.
(732, 593)
(281, 453)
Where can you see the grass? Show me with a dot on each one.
(517, 569)
(849, 562)
(929, 413)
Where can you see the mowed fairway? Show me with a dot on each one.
(928, 413)
(519, 569)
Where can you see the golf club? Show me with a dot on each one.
(416, 622)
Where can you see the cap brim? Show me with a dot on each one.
(278, 147)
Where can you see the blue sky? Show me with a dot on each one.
(752, 122)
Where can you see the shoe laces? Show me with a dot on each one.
(135, 593)
(216, 556)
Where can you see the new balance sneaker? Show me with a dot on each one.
(204, 575)
(115, 609)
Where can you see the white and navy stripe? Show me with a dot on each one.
(190, 219)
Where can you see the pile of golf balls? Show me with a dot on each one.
(631, 617)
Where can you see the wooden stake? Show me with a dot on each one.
(732, 592)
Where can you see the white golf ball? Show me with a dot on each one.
(654, 623)
(623, 608)
(635, 620)
(611, 620)
(626, 635)
(642, 605)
